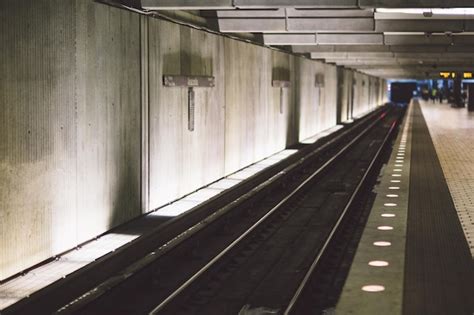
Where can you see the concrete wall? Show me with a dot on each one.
(365, 94)
(81, 96)
(238, 121)
(346, 99)
(316, 105)
(69, 125)
(359, 94)
(255, 128)
(181, 160)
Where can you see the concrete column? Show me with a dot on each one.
(340, 93)
(470, 97)
(457, 91)
(144, 116)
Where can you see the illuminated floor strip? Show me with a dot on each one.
(190, 201)
(375, 282)
(22, 286)
(322, 134)
(452, 133)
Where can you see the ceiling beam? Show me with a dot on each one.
(419, 26)
(296, 13)
(296, 3)
(323, 39)
(385, 55)
(416, 3)
(400, 62)
(428, 55)
(186, 4)
(311, 25)
(393, 48)
(349, 39)
(351, 55)
(454, 40)
(411, 68)
(293, 20)
(419, 16)
(289, 39)
(358, 39)
(339, 48)
(265, 4)
(259, 25)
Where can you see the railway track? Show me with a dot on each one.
(137, 277)
(260, 251)
(280, 288)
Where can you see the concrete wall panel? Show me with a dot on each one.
(248, 77)
(108, 117)
(37, 129)
(182, 160)
(317, 104)
(255, 127)
(68, 126)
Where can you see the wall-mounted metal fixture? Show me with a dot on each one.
(281, 85)
(190, 82)
(319, 83)
(428, 14)
(319, 80)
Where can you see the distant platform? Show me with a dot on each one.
(416, 252)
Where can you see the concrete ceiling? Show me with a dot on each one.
(378, 37)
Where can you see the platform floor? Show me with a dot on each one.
(438, 266)
(415, 256)
(452, 132)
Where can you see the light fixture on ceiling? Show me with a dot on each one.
(429, 12)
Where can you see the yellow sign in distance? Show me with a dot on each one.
(452, 75)
(447, 75)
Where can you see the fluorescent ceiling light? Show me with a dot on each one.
(450, 11)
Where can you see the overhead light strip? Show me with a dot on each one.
(434, 11)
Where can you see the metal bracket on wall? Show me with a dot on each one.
(189, 82)
(282, 85)
(319, 83)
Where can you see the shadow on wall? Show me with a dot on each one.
(189, 63)
(281, 74)
(126, 196)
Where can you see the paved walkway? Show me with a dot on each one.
(452, 132)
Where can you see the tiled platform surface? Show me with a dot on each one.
(420, 262)
(24, 285)
(452, 132)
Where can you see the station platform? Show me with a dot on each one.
(416, 252)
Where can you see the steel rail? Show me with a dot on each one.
(330, 237)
